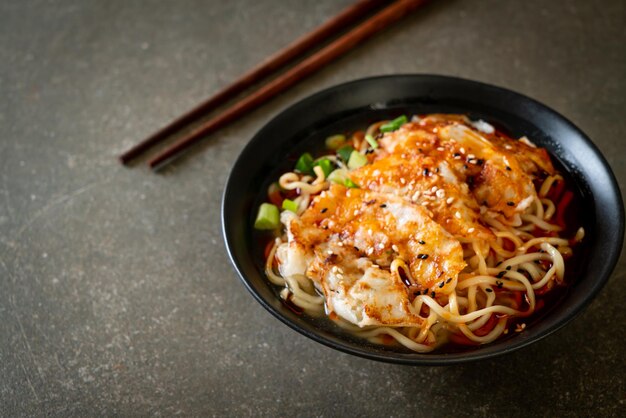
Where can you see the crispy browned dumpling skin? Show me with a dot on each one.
(351, 236)
(422, 195)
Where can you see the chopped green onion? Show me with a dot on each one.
(305, 164)
(356, 160)
(344, 152)
(335, 142)
(340, 176)
(394, 124)
(349, 183)
(268, 217)
(372, 141)
(327, 166)
(290, 205)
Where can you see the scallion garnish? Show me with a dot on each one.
(340, 176)
(394, 124)
(305, 164)
(344, 152)
(268, 217)
(290, 205)
(326, 165)
(356, 160)
(349, 183)
(372, 141)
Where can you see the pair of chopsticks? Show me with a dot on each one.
(394, 11)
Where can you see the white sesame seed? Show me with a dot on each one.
(370, 250)
(457, 214)
(334, 269)
(402, 180)
(441, 193)
(469, 231)
(380, 246)
(462, 150)
(440, 149)
(356, 212)
(472, 161)
(507, 146)
(450, 200)
(376, 172)
(395, 248)
(434, 189)
(340, 244)
(370, 232)
(471, 156)
(425, 203)
(415, 196)
(329, 251)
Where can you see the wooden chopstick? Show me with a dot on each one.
(331, 27)
(379, 21)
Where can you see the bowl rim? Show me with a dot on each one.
(429, 359)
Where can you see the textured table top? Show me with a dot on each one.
(116, 293)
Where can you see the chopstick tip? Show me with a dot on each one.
(123, 160)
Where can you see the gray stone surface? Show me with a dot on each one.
(116, 294)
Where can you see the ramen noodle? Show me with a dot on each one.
(422, 233)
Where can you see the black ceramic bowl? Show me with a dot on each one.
(353, 105)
